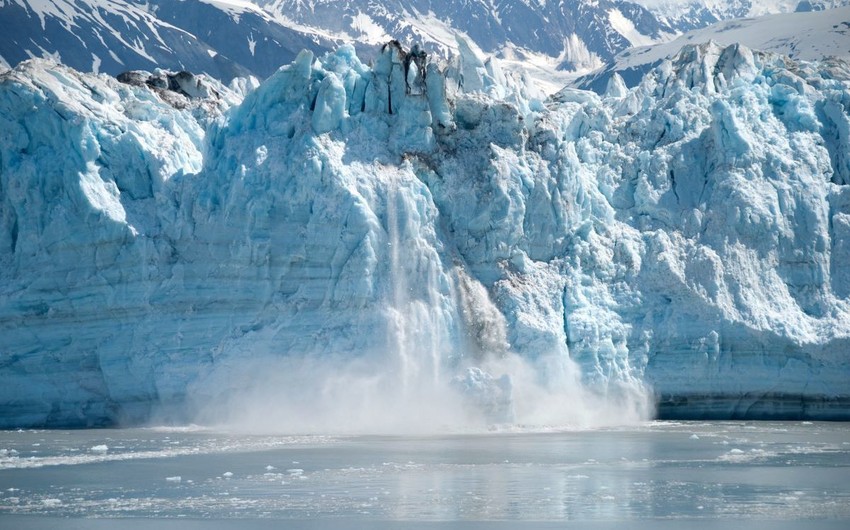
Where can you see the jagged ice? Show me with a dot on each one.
(400, 236)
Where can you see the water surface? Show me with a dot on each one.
(656, 473)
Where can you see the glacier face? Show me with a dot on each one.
(427, 229)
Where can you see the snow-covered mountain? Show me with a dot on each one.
(228, 38)
(577, 32)
(396, 237)
(809, 36)
(224, 39)
(685, 15)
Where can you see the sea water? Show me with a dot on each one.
(768, 474)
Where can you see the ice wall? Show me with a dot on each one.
(160, 250)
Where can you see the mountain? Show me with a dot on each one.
(235, 38)
(228, 38)
(421, 239)
(222, 39)
(809, 36)
(576, 32)
(685, 16)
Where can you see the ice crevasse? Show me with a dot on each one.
(163, 245)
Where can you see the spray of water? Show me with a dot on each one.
(445, 365)
(340, 395)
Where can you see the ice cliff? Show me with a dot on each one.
(164, 242)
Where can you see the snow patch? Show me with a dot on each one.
(252, 44)
(578, 56)
(369, 31)
(626, 28)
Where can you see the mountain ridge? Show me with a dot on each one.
(232, 38)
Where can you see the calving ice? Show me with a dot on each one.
(418, 245)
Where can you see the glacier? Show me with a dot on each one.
(810, 35)
(345, 238)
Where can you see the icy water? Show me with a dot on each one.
(660, 474)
